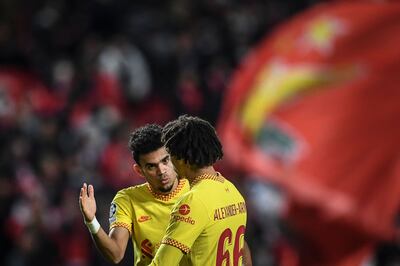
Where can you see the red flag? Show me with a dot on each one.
(315, 108)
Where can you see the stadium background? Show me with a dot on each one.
(77, 76)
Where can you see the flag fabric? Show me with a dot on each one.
(315, 108)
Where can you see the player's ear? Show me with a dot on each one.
(138, 169)
(181, 163)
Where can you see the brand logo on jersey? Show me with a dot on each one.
(184, 209)
(147, 248)
(188, 220)
(144, 218)
(113, 211)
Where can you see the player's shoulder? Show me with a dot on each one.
(130, 192)
(192, 196)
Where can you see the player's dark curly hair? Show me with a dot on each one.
(145, 139)
(192, 139)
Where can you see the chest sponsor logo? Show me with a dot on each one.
(144, 218)
(179, 218)
(184, 209)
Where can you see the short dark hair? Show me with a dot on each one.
(145, 139)
(192, 139)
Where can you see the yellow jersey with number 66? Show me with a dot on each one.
(145, 214)
(208, 223)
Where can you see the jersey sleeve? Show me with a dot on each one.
(188, 219)
(167, 255)
(121, 211)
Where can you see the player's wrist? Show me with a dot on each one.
(93, 226)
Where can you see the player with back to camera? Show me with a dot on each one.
(208, 223)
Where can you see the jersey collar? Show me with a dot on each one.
(216, 177)
(169, 196)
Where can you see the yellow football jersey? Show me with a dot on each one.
(146, 215)
(208, 223)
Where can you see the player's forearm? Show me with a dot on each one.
(108, 247)
(247, 261)
(167, 255)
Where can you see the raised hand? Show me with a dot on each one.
(87, 202)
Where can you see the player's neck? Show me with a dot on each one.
(192, 174)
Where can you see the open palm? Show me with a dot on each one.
(87, 202)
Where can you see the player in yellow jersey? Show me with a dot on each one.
(141, 212)
(209, 222)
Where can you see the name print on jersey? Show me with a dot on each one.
(230, 210)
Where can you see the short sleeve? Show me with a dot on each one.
(121, 211)
(188, 219)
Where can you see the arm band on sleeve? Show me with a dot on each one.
(93, 226)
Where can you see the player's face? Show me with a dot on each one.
(158, 170)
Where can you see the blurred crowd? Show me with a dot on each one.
(77, 76)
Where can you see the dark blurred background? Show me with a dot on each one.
(77, 76)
